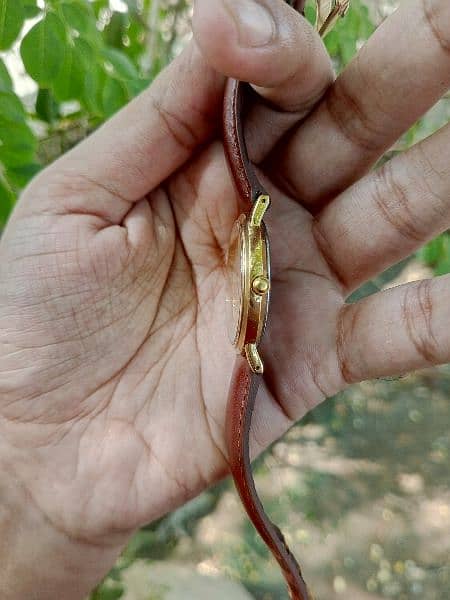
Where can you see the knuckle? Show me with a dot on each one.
(417, 314)
(327, 253)
(179, 129)
(432, 179)
(352, 118)
(59, 182)
(436, 15)
(347, 323)
(392, 200)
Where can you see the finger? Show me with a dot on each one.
(139, 147)
(395, 331)
(401, 72)
(389, 214)
(269, 44)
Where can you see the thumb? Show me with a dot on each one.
(269, 44)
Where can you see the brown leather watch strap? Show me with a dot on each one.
(243, 389)
(242, 170)
(245, 383)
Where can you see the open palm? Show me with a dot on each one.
(114, 356)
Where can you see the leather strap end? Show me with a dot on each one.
(243, 390)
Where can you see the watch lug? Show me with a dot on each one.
(259, 210)
(254, 359)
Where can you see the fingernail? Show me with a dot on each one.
(254, 22)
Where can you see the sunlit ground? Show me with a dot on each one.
(362, 493)
(365, 501)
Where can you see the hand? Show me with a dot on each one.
(114, 359)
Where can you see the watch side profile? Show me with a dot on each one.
(248, 269)
(249, 282)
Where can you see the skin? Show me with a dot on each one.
(114, 358)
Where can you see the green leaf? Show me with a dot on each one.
(17, 141)
(332, 43)
(112, 594)
(12, 16)
(78, 15)
(120, 67)
(114, 96)
(443, 268)
(116, 28)
(99, 5)
(21, 176)
(136, 86)
(31, 9)
(43, 48)
(94, 84)
(6, 201)
(123, 68)
(133, 6)
(136, 35)
(310, 14)
(431, 253)
(348, 48)
(47, 108)
(108, 591)
(366, 27)
(69, 83)
(17, 144)
(115, 574)
(11, 108)
(436, 254)
(5, 78)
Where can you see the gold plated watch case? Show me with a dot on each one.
(249, 251)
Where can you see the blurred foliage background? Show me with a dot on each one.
(361, 486)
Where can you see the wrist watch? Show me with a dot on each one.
(248, 268)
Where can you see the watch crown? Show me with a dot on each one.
(260, 285)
